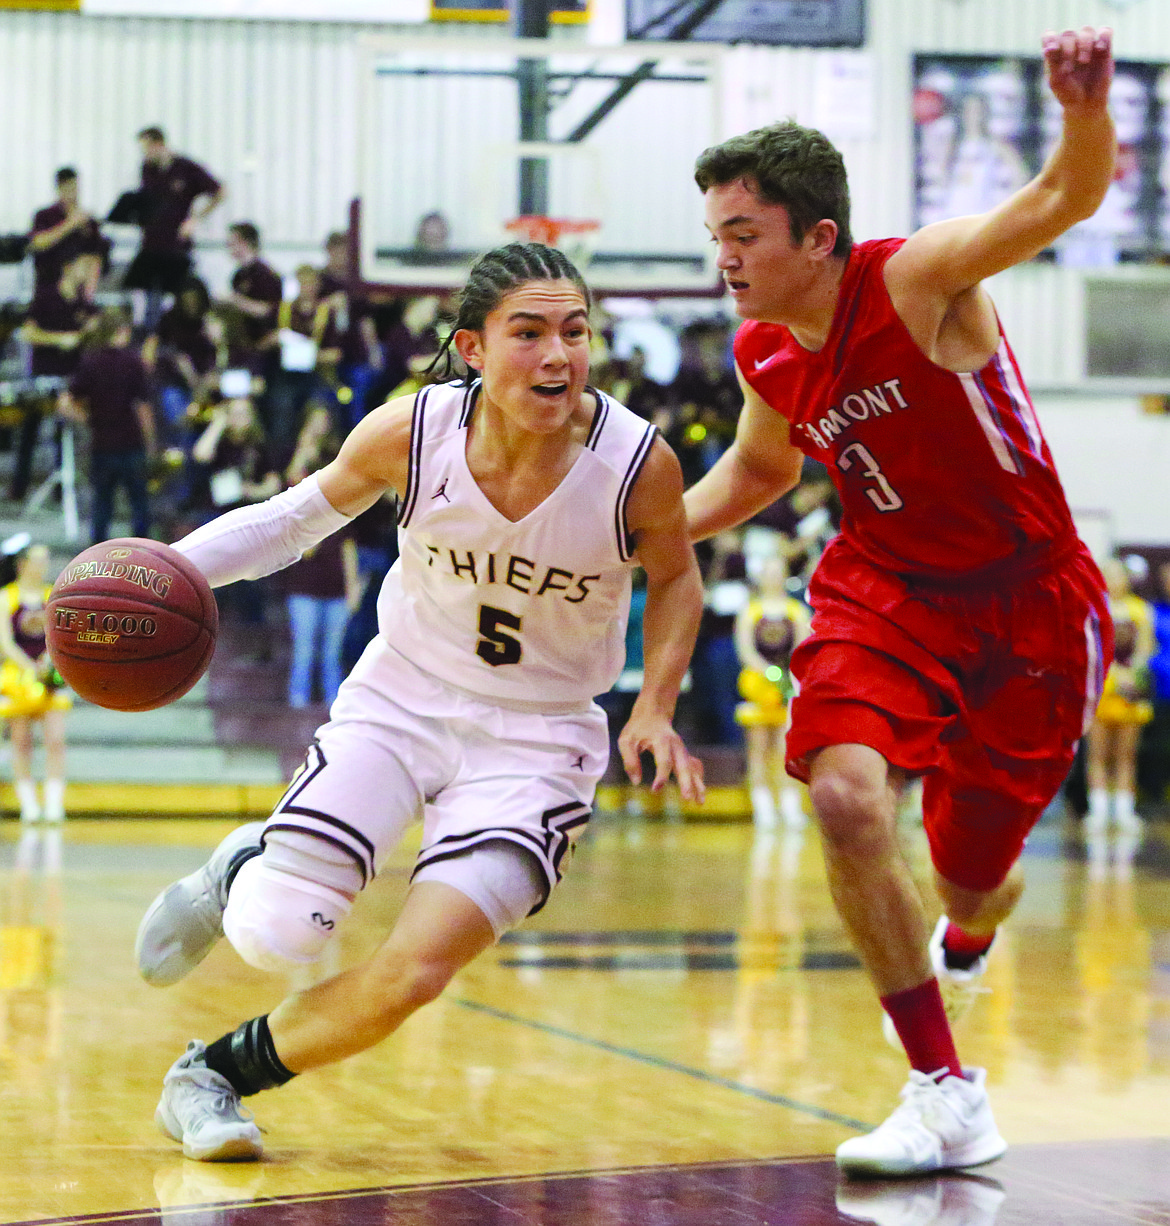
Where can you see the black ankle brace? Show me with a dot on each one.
(247, 1058)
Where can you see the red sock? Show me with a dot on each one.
(962, 950)
(921, 1022)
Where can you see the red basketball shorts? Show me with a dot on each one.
(983, 692)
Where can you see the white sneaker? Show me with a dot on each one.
(960, 989)
(1129, 823)
(184, 922)
(944, 1122)
(54, 800)
(1095, 823)
(763, 809)
(943, 1200)
(200, 1108)
(791, 809)
(30, 806)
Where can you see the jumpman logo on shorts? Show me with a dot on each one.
(441, 492)
(580, 762)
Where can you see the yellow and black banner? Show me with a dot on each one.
(561, 12)
(55, 6)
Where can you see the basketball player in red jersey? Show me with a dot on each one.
(960, 629)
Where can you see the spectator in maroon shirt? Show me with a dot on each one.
(309, 345)
(322, 591)
(250, 310)
(232, 467)
(236, 462)
(110, 394)
(171, 184)
(63, 230)
(410, 339)
(362, 360)
(708, 398)
(375, 532)
(60, 318)
(324, 588)
(715, 664)
(182, 354)
(633, 387)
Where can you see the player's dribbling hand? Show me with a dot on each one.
(656, 737)
(1080, 65)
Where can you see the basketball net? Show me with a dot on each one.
(577, 239)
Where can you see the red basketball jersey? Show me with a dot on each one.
(940, 474)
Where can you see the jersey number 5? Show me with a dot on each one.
(885, 497)
(496, 647)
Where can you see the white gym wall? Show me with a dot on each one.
(270, 106)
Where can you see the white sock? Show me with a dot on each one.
(1123, 809)
(26, 793)
(763, 807)
(1099, 803)
(54, 800)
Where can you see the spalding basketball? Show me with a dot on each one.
(131, 624)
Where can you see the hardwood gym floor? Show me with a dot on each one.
(680, 1039)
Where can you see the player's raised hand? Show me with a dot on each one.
(655, 736)
(1080, 66)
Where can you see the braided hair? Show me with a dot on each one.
(492, 278)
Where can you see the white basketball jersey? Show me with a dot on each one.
(533, 612)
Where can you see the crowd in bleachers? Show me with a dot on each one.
(193, 403)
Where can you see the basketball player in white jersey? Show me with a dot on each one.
(526, 500)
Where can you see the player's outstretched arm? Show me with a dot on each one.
(760, 466)
(951, 256)
(256, 540)
(674, 604)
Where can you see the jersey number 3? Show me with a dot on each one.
(496, 647)
(885, 497)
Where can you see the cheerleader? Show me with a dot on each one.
(767, 628)
(30, 687)
(1113, 736)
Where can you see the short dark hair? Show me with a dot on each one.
(495, 275)
(155, 134)
(339, 238)
(787, 164)
(248, 231)
(65, 175)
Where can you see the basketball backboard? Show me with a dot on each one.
(447, 130)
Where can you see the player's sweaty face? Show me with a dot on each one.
(535, 353)
(762, 267)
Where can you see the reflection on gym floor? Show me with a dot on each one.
(682, 1036)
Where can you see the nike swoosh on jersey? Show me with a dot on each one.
(766, 362)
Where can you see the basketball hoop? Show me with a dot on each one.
(537, 228)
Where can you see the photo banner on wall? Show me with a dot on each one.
(983, 126)
(779, 23)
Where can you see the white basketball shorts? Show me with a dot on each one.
(399, 741)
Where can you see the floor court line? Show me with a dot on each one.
(672, 1066)
(703, 1171)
